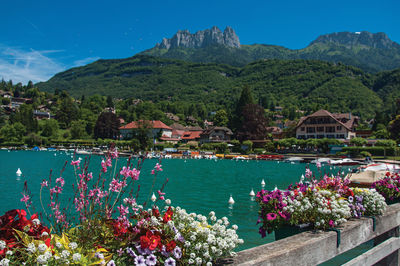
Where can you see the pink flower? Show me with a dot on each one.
(331, 223)
(61, 181)
(44, 183)
(161, 194)
(75, 162)
(25, 198)
(153, 172)
(158, 167)
(271, 216)
(114, 154)
(123, 210)
(90, 176)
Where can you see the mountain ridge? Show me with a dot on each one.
(372, 52)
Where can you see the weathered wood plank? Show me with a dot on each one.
(311, 248)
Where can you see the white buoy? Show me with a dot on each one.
(252, 194)
(19, 172)
(276, 188)
(153, 197)
(231, 201)
(263, 183)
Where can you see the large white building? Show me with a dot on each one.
(156, 128)
(323, 124)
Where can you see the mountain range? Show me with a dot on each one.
(371, 52)
(337, 72)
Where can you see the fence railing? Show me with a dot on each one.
(312, 248)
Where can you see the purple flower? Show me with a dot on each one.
(164, 252)
(131, 252)
(262, 232)
(111, 263)
(351, 199)
(170, 262)
(151, 260)
(140, 260)
(177, 252)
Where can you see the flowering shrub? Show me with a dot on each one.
(388, 186)
(111, 227)
(373, 203)
(322, 204)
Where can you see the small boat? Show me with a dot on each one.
(231, 201)
(252, 194)
(83, 152)
(294, 159)
(19, 172)
(345, 161)
(322, 161)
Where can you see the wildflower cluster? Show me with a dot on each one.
(111, 227)
(389, 186)
(322, 204)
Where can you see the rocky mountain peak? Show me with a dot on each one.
(203, 38)
(349, 39)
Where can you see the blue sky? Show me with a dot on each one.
(41, 38)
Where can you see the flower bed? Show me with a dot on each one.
(111, 227)
(320, 204)
(389, 187)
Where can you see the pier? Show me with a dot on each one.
(312, 248)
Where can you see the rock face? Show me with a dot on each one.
(201, 39)
(349, 39)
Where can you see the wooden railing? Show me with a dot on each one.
(312, 248)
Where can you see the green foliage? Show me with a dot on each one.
(220, 118)
(50, 128)
(365, 154)
(196, 89)
(218, 147)
(358, 142)
(375, 151)
(78, 129)
(386, 143)
(107, 126)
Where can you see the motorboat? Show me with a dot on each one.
(345, 161)
(322, 160)
(294, 159)
(364, 176)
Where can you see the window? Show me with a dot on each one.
(339, 127)
(302, 129)
(310, 129)
(320, 129)
(320, 136)
(330, 136)
(329, 129)
(340, 136)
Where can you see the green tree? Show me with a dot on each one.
(107, 126)
(246, 98)
(24, 115)
(254, 124)
(78, 129)
(109, 101)
(394, 128)
(221, 118)
(50, 128)
(67, 112)
(358, 141)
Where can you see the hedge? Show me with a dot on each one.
(375, 151)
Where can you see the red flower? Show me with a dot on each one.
(144, 242)
(170, 246)
(168, 215)
(156, 213)
(155, 240)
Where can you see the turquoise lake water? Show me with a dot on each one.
(196, 185)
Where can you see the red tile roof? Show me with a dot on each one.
(152, 124)
(191, 135)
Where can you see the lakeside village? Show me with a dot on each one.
(33, 119)
(106, 225)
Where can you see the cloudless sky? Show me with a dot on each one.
(40, 38)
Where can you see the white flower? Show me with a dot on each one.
(198, 261)
(31, 248)
(209, 263)
(58, 244)
(42, 247)
(192, 255)
(65, 253)
(44, 234)
(76, 257)
(234, 227)
(41, 259)
(73, 245)
(2, 244)
(36, 221)
(48, 254)
(168, 201)
(191, 261)
(4, 262)
(212, 213)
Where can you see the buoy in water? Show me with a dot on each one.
(19, 172)
(153, 197)
(263, 183)
(276, 188)
(231, 201)
(252, 194)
